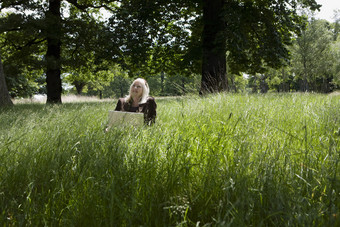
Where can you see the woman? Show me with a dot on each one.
(139, 100)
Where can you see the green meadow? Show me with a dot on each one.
(219, 160)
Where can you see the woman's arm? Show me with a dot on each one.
(119, 105)
(151, 112)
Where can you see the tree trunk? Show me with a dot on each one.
(79, 86)
(5, 99)
(214, 77)
(263, 84)
(162, 82)
(183, 85)
(121, 88)
(305, 76)
(53, 66)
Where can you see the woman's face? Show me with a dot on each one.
(136, 89)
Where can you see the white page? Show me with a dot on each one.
(120, 118)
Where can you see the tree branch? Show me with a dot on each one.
(29, 43)
(83, 7)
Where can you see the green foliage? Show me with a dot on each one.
(237, 82)
(23, 40)
(313, 58)
(110, 83)
(314, 64)
(180, 85)
(336, 25)
(153, 37)
(117, 84)
(149, 38)
(336, 66)
(281, 80)
(258, 32)
(119, 87)
(22, 51)
(222, 160)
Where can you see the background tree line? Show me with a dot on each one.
(179, 46)
(313, 64)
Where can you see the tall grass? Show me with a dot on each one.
(221, 160)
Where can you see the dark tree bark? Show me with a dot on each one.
(5, 99)
(121, 86)
(79, 86)
(162, 82)
(214, 77)
(53, 67)
(263, 84)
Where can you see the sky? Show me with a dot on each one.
(327, 8)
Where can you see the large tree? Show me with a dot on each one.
(213, 47)
(53, 53)
(191, 35)
(47, 26)
(254, 34)
(5, 99)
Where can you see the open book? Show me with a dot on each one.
(120, 118)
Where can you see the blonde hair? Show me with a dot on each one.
(145, 93)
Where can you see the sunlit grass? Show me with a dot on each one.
(69, 98)
(219, 160)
